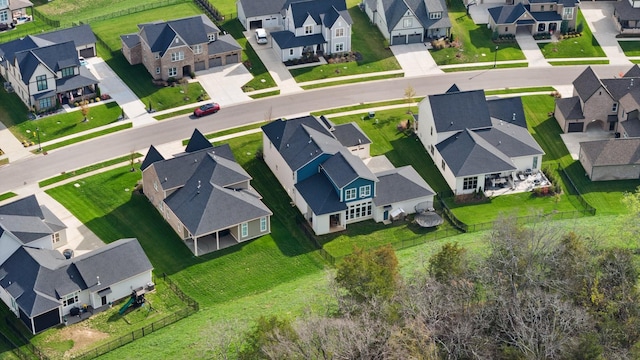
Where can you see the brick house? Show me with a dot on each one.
(176, 48)
(535, 16)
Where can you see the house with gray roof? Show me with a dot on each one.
(176, 48)
(44, 70)
(13, 12)
(611, 159)
(409, 21)
(25, 222)
(41, 287)
(609, 104)
(627, 16)
(536, 16)
(205, 195)
(324, 169)
(474, 141)
(300, 27)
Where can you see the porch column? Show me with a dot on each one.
(217, 240)
(195, 245)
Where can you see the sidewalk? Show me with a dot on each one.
(530, 50)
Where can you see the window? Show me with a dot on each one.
(541, 7)
(155, 185)
(41, 80)
(4, 3)
(365, 191)
(432, 149)
(197, 49)
(506, 29)
(443, 165)
(177, 56)
(4, 15)
(263, 224)
(469, 183)
(349, 194)
(541, 27)
(158, 70)
(535, 163)
(67, 71)
(339, 47)
(408, 22)
(339, 32)
(308, 29)
(157, 56)
(71, 299)
(55, 238)
(567, 13)
(435, 15)
(244, 230)
(614, 108)
(357, 211)
(212, 37)
(173, 72)
(45, 103)
(432, 131)
(290, 51)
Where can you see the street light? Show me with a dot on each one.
(495, 57)
(38, 136)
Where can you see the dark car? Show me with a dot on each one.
(206, 109)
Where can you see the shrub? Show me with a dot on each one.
(97, 99)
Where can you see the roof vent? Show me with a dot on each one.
(452, 123)
(499, 142)
(195, 160)
(198, 184)
(165, 179)
(98, 278)
(287, 145)
(514, 117)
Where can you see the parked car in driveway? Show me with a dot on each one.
(206, 109)
(83, 62)
(261, 36)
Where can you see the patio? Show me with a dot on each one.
(523, 182)
(208, 244)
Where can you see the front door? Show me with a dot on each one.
(104, 300)
(385, 216)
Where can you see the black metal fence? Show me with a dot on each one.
(590, 209)
(37, 353)
(136, 9)
(14, 348)
(316, 244)
(39, 16)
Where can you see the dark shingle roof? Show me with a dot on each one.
(224, 43)
(27, 206)
(511, 140)
(55, 57)
(80, 35)
(188, 31)
(400, 184)
(343, 168)
(460, 110)
(320, 195)
(130, 40)
(350, 134)
(153, 155)
(507, 14)
(612, 151)
(322, 11)
(395, 9)
(630, 127)
(253, 8)
(619, 87)
(509, 110)
(28, 221)
(468, 154)
(197, 142)
(570, 108)
(633, 72)
(287, 40)
(626, 12)
(587, 83)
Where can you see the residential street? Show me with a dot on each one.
(34, 168)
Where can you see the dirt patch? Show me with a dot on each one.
(82, 336)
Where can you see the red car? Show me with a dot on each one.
(206, 109)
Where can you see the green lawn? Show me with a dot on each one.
(91, 135)
(12, 110)
(630, 48)
(87, 169)
(577, 47)
(64, 124)
(366, 40)
(476, 44)
(579, 62)
(7, 195)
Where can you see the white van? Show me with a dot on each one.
(261, 36)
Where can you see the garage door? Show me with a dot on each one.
(199, 65)
(415, 38)
(397, 40)
(215, 62)
(87, 53)
(575, 127)
(255, 24)
(231, 59)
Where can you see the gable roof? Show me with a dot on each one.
(223, 44)
(400, 184)
(507, 14)
(587, 83)
(633, 72)
(197, 142)
(55, 57)
(323, 12)
(394, 11)
(612, 151)
(160, 36)
(468, 154)
(153, 155)
(461, 110)
(570, 108)
(350, 134)
(28, 221)
(253, 8)
(343, 168)
(320, 195)
(80, 35)
(508, 110)
(35, 277)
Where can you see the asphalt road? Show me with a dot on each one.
(32, 169)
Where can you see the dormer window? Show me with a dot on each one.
(308, 29)
(212, 37)
(41, 82)
(67, 71)
(435, 15)
(408, 23)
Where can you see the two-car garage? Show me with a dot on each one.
(406, 39)
(263, 22)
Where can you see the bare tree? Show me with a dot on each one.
(222, 339)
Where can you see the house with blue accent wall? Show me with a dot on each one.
(328, 173)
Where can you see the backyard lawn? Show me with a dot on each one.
(475, 42)
(63, 124)
(576, 47)
(366, 40)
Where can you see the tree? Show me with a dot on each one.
(449, 263)
(409, 94)
(564, 27)
(629, 224)
(84, 109)
(262, 335)
(366, 275)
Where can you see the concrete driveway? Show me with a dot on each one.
(599, 16)
(415, 60)
(224, 83)
(274, 65)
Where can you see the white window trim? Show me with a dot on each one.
(365, 191)
(263, 224)
(408, 23)
(347, 192)
(308, 29)
(339, 47)
(172, 70)
(244, 230)
(339, 32)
